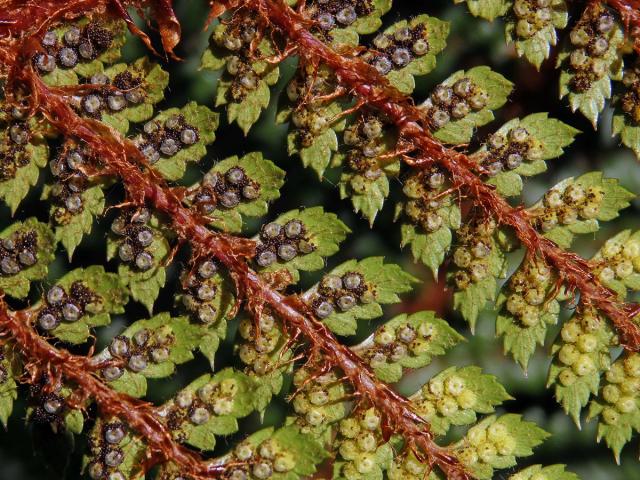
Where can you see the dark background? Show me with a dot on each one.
(30, 453)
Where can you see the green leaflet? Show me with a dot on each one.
(244, 86)
(324, 140)
(9, 371)
(406, 466)
(496, 442)
(144, 283)
(487, 9)
(628, 130)
(176, 121)
(369, 143)
(154, 348)
(380, 459)
(617, 406)
(616, 262)
(20, 163)
(377, 284)
(29, 237)
(533, 37)
(318, 403)
(314, 115)
(287, 452)
(347, 32)
(552, 472)
(208, 297)
(209, 407)
(129, 449)
(587, 93)
(520, 340)
(488, 88)
(265, 355)
(260, 175)
(96, 292)
(364, 453)
(477, 283)
(626, 114)
(429, 216)
(153, 80)
(526, 308)
(107, 53)
(456, 395)
(70, 228)
(420, 61)
(63, 417)
(321, 234)
(367, 195)
(575, 205)
(406, 341)
(430, 248)
(545, 139)
(581, 354)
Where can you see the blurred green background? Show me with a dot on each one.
(34, 452)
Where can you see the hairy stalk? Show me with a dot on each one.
(373, 89)
(121, 158)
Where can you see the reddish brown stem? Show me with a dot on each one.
(373, 89)
(121, 158)
(139, 415)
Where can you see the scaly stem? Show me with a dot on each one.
(145, 186)
(373, 89)
(42, 357)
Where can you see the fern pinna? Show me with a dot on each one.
(78, 122)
